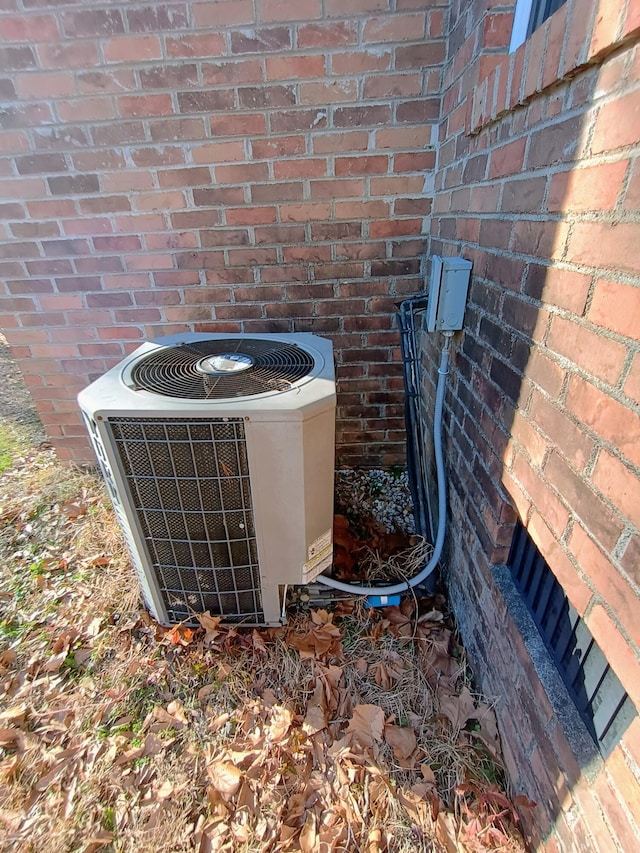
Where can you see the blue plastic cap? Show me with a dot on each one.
(383, 600)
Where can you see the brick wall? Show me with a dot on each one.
(538, 183)
(238, 165)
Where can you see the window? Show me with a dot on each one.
(594, 688)
(528, 16)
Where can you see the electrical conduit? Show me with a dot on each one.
(423, 574)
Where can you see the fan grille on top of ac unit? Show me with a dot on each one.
(191, 371)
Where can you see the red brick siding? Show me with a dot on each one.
(536, 183)
(229, 166)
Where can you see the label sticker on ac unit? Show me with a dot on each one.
(319, 545)
(319, 563)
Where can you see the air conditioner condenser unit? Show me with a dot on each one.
(218, 452)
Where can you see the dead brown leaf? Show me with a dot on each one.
(387, 672)
(210, 624)
(15, 716)
(75, 509)
(400, 622)
(316, 717)
(258, 643)
(447, 832)
(225, 777)
(206, 691)
(488, 732)
(366, 725)
(309, 834)
(322, 637)
(54, 663)
(361, 666)
(82, 655)
(402, 740)
(97, 841)
(180, 635)
(175, 710)
(279, 724)
(8, 657)
(12, 738)
(458, 708)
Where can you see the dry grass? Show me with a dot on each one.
(346, 731)
(402, 565)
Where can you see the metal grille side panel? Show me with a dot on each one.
(188, 484)
(149, 594)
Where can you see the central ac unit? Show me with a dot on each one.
(218, 452)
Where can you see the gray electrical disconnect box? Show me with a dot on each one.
(447, 293)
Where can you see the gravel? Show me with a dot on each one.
(381, 495)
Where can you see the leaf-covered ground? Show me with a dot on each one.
(348, 730)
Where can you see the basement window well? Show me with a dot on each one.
(594, 688)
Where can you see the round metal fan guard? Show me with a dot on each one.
(203, 370)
